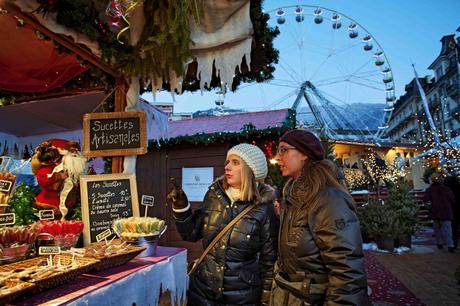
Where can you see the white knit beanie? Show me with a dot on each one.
(253, 157)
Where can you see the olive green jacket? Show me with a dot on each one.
(320, 246)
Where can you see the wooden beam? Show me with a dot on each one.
(120, 104)
(60, 39)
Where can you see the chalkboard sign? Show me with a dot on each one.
(5, 186)
(7, 219)
(114, 134)
(104, 198)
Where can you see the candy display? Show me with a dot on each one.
(111, 254)
(60, 228)
(134, 227)
(16, 241)
(65, 233)
(17, 235)
(40, 273)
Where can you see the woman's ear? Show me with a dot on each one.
(303, 157)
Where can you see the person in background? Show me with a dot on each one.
(239, 269)
(442, 200)
(320, 246)
(453, 182)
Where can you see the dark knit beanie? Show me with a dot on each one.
(305, 142)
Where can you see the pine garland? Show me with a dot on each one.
(164, 43)
(247, 134)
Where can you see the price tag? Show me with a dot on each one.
(7, 219)
(49, 250)
(147, 200)
(46, 214)
(5, 186)
(104, 235)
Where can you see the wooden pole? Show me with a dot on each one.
(120, 104)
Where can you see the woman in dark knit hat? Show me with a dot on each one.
(320, 247)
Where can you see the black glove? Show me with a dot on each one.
(177, 196)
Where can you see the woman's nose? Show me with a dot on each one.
(277, 156)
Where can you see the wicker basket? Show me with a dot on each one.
(61, 277)
(53, 277)
(15, 289)
(21, 265)
(110, 261)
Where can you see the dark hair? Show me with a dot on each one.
(318, 175)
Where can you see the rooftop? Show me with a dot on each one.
(227, 123)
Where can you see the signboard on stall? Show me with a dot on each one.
(46, 214)
(196, 181)
(5, 186)
(7, 219)
(114, 134)
(104, 198)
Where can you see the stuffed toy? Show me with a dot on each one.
(57, 164)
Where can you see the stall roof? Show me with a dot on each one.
(48, 116)
(29, 62)
(227, 123)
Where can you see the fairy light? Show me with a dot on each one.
(386, 171)
(432, 159)
(356, 179)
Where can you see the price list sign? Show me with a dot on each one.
(105, 198)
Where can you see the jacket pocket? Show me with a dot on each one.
(250, 277)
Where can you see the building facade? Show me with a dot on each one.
(409, 121)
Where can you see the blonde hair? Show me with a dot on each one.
(248, 188)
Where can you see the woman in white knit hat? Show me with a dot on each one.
(238, 270)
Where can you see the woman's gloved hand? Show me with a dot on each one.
(177, 196)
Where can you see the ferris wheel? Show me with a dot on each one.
(332, 71)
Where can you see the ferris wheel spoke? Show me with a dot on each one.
(366, 85)
(344, 78)
(295, 77)
(318, 68)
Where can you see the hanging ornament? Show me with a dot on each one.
(119, 11)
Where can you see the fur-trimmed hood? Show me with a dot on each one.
(267, 193)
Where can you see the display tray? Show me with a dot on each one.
(13, 288)
(67, 274)
(119, 253)
(37, 272)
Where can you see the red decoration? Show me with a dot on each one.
(32, 64)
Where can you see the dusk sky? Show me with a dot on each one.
(408, 32)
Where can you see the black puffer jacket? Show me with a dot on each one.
(321, 243)
(240, 267)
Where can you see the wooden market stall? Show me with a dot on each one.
(203, 143)
(64, 60)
